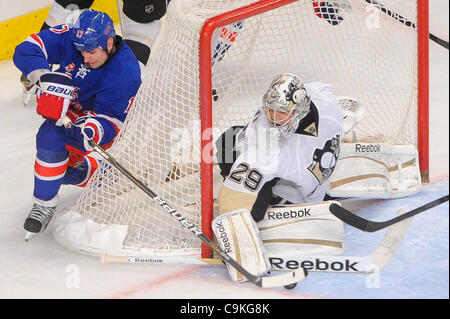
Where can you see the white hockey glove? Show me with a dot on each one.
(55, 96)
(238, 236)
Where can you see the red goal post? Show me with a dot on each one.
(423, 80)
(206, 98)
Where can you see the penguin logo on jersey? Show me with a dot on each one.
(324, 160)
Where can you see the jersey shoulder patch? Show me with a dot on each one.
(60, 29)
(309, 125)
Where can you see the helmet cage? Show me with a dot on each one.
(288, 95)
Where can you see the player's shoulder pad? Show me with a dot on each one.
(123, 68)
(319, 90)
(324, 98)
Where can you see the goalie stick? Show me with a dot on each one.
(372, 226)
(405, 21)
(287, 279)
(374, 262)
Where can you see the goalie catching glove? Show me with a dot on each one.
(238, 236)
(56, 93)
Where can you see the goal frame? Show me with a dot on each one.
(205, 95)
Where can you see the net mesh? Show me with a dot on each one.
(352, 45)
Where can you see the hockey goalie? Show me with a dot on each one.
(280, 159)
(281, 168)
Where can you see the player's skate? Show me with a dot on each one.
(38, 220)
(29, 90)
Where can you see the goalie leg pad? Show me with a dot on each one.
(306, 229)
(238, 236)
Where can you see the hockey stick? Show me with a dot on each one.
(106, 259)
(120, 11)
(287, 279)
(405, 21)
(372, 226)
(374, 262)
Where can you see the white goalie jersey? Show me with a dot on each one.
(300, 166)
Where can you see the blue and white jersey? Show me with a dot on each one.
(105, 92)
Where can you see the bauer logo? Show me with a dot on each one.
(60, 90)
(315, 264)
(367, 148)
(289, 214)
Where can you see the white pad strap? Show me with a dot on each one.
(238, 236)
(302, 229)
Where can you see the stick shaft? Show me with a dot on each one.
(255, 279)
(405, 21)
(412, 213)
(106, 259)
(373, 226)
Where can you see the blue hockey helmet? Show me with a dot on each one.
(92, 30)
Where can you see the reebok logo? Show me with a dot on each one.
(147, 260)
(316, 264)
(223, 237)
(368, 148)
(289, 214)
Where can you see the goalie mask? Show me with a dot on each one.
(286, 103)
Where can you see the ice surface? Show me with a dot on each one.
(43, 269)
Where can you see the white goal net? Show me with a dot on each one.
(364, 49)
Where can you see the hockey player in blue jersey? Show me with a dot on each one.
(94, 87)
(140, 23)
